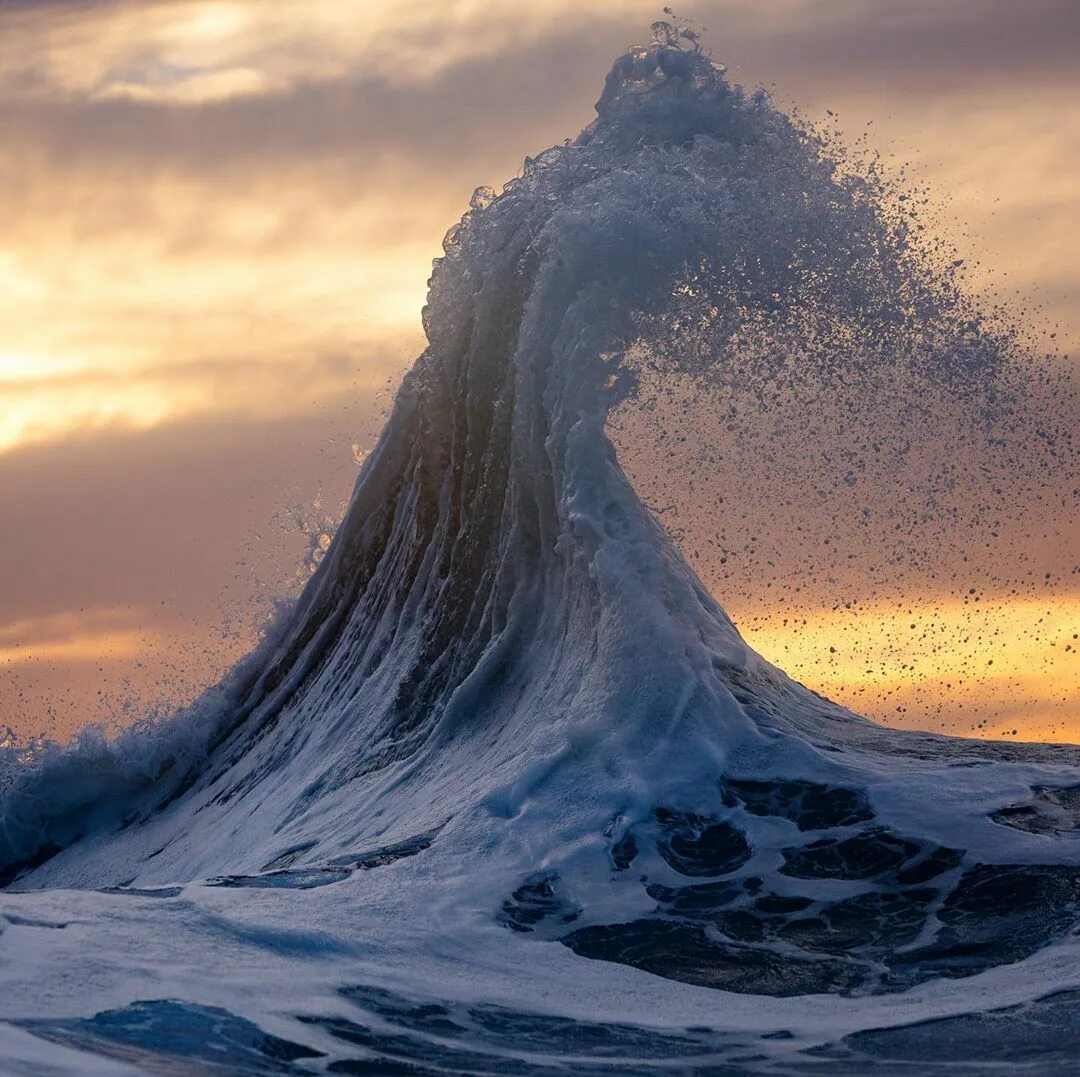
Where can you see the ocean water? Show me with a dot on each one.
(506, 791)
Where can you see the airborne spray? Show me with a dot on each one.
(875, 473)
(511, 739)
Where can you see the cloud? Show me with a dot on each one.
(38, 408)
(919, 46)
(162, 519)
(189, 50)
(433, 79)
(357, 118)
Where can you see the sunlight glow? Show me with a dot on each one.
(1013, 661)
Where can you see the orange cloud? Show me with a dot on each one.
(74, 638)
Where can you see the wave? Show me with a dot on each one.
(506, 683)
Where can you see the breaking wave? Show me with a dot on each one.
(505, 712)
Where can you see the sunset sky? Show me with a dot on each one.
(217, 220)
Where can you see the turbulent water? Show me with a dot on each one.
(507, 792)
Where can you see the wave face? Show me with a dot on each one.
(506, 726)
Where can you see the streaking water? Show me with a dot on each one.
(508, 792)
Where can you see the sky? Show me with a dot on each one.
(217, 220)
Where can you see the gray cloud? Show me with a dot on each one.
(468, 109)
(481, 112)
(220, 374)
(160, 520)
(46, 8)
(923, 46)
(170, 534)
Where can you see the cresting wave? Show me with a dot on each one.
(505, 728)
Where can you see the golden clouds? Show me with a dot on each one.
(47, 408)
(157, 223)
(175, 297)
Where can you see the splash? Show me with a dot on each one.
(506, 724)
